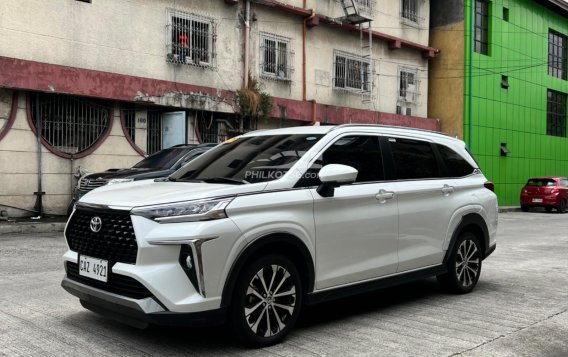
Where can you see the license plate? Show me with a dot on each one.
(93, 268)
(537, 200)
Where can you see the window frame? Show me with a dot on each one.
(557, 54)
(481, 43)
(407, 15)
(555, 119)
(403, 72)
(278, 40)
(188, 58)
(365, 72)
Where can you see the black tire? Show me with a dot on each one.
(524, 208)
(270, 317)
(464, 265)
(562, 207)
(548, 209)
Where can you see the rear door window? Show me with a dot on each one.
(413, 159)
(541, 182)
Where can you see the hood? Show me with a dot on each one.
(145, 193)
(136, 174)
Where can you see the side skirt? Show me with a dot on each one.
(339, 293)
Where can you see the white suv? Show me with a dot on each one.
(272, 220)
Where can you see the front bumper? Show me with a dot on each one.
(138, 313)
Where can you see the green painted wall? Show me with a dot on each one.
(516, 116)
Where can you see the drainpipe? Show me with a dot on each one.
(247, 44)
(39, 193)
(470, 84)
(305, 34)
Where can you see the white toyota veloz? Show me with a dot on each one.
(272, 220)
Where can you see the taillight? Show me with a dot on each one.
(490, 186)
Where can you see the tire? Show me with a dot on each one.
(562, 207)
(464, 265)
(548, 209)
(524, 208)
(267, 300)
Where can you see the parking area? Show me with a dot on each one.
(519, 308)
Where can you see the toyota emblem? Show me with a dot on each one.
(96, 224)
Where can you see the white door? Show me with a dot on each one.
(173, 129)
(357, 228)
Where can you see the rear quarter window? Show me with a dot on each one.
(456, 165)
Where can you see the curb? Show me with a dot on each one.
(30, 228)
(509, 209)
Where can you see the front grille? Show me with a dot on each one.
(86, 184)
(115, 242)
(117, 284)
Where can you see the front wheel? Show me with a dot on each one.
(267, 301)
(464, 265)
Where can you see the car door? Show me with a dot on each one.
(425, 203)
(356, 229)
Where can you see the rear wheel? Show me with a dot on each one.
(464, 265)
(267, 301)
(524, 208)
(562, 207)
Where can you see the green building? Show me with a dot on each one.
(500, 84)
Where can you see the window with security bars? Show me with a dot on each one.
(153, 129)
(408, 86)
(275, 57)
(557, 55)
(365, 6)
(409, 10)
(351, 72)
(556, 114)
(191, 39)
(481, 39)
(69, 124)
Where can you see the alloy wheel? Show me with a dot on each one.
(270, 301)
(468, 262)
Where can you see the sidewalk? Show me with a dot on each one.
(31, 226)
(57, 223)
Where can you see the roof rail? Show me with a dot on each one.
(390, 127)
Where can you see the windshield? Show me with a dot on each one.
(250, 159)
(541, 182)
(163, 159)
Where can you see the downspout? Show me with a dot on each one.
(470, 64)
(39, 194)
(247, 44)
(305, 34)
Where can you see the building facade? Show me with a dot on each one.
(500, 83)
(108, 81)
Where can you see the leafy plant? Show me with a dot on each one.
(253, 102)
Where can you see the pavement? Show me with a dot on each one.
(519, 308)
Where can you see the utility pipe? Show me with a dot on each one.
(39, 130)
(247, 44)
(305, 34)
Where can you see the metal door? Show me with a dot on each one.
(173, 129)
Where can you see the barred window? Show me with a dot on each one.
(481, 39)
(365, 6)
(191, 39)
(409, 10)
(153, 129)
(408, 85)
(351, 72)
(276, 57)
(556, 114)
(557, 54)
(69, 124)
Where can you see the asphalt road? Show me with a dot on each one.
(519, 308)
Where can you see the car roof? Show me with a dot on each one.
(547, 178)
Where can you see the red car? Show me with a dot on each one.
(548, 192)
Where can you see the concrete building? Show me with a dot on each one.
(500, 83)
(108, 81)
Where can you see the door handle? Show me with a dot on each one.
(448, 190)
(383, 196)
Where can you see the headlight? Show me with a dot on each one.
(190, 211)
(113, 181)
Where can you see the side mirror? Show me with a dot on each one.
(335, 175)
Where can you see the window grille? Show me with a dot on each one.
(275, 57)
(410, 11)
(153, 129)
(408, 86)
(481, 39)
(557, 55)
(351, 72)
(69, 124)
(365, 6)
(130, 123)
(556, 114)
(191, 39)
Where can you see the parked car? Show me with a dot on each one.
(160, 164)
(550, 192)
(344, 210)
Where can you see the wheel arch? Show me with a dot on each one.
(284, 244)
(475, 224)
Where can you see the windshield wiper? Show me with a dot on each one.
(224, 180)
